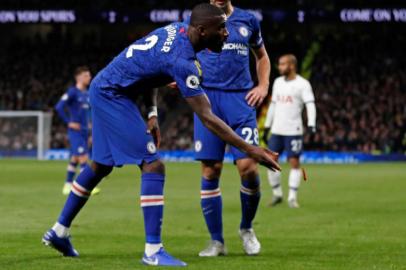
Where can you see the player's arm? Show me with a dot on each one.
(151, 102)
(268, 121)
(60, 109)
(309, 100)
(201, 106)
(269, 116)
(263, 66)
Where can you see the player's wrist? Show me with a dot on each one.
(153, 112)
(264, 85)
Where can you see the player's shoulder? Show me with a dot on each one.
(302, 81)
(279, 79)
(246, 15)
(243, 13)
(72, 90)
(175, 26)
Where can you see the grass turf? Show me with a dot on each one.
(352, 217)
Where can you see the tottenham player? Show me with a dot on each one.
(73, 109)
(290, 93)
(228, 84)
(120, 134)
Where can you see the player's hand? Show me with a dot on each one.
(266, 135)
(257, 95)
(153, 129)
(312, 130)
(74, 126)
(265, 157)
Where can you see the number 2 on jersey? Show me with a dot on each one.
(150, 42)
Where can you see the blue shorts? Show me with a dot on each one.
(234, 110)
(78, 142)
(293, 145)
(119, 130)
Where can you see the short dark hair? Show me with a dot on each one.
(202, 13)
(81, 69)
(292, 58)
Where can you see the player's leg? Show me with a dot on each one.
(83, 161)
(58, 236)
(250, 196)
(209, 149)
(242, 119)
(294, 145)
(122, 138)
(276, 144)
(70, 174)
(212, 207)
(152, 204)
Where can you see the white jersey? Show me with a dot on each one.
(288, 98)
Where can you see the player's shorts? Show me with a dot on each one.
(78, 142)
(119, 130)
(293, 145)
(234, 110)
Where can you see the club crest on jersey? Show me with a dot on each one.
(198, 146)
(192, 81)
(151, 147)
(243, 31)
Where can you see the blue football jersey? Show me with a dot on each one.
(233, 62)
(163, 56)
(74, 107)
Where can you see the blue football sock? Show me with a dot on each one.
(81, 189)
(212, 208)
(71, 171)
(152, 203)
(250, 195)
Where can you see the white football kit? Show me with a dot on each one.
(284, 117)
(288, 99)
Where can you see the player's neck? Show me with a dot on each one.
(194, 39)
(81, 87)
(291, 76)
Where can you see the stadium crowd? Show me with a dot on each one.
(360, 90)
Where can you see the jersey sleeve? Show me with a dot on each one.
(307, 93)
(256, 40)
(187, 76)
(274, 92)
(60, 106)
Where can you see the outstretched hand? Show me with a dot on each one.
(265, 157)
(153, 129)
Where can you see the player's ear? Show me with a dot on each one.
(201, 30)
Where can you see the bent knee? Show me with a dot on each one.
(211, 169)
(156, 166)
(248, 169)
(100, 169)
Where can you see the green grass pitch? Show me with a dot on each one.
(352, 217)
